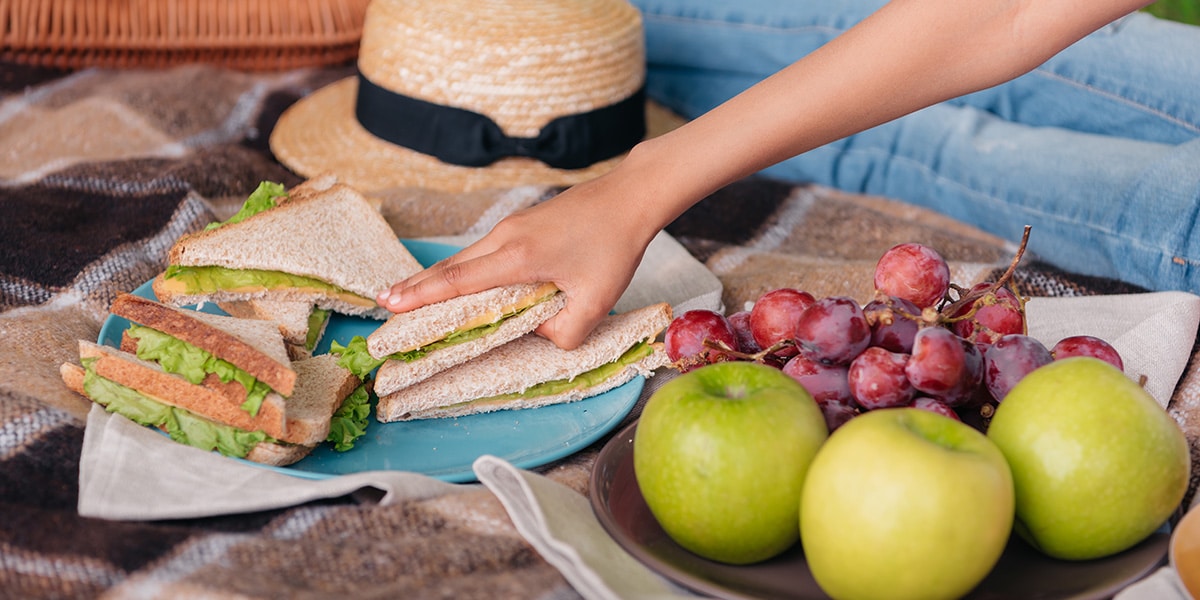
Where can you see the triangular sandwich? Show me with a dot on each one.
(281, 433)
(321, 244)
(531, 371)
(414, 345)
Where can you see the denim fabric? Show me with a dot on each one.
(1098, 149)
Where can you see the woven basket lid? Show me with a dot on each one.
(521, 63)
(258, 35)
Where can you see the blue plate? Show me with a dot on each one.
(445, 448)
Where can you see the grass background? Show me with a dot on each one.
(1187, 11)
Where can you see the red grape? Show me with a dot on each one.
(833, 330)
(740, 321)
(686, 335)
(1087, 345)
(935, 405)
(893, 323)
(1009, 360)
(774, 315)
(945, 366)
(825, 383)
(877, 379)
(997, 314)
(837, 414)
(914, 272)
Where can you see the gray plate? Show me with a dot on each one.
(1021, 574)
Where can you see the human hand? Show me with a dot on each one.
(588, 241)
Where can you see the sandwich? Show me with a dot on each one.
(531, 371)
(325, 398)
(245, 359)
(219, 382)
(322, 244)
(415, 345)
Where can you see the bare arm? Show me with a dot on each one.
(909, 55)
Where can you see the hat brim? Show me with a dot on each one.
(319, 134)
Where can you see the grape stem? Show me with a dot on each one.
(969, 298)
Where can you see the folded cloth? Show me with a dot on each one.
(131, 472)
(1153, 332)
(560, 525)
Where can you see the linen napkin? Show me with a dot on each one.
(560, 525)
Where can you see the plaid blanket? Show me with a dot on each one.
(102, 170)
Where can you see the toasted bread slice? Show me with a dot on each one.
(394, 375)
(323, 386)
(292, 318)
(516, 366)
(254, 346)
(410, 330)
(324, 230)
(206, 400)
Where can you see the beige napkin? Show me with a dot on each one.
(560, 525)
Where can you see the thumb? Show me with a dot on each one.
(570, 326)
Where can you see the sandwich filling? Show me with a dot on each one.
(358, 359)
(316, 324)
(587, 379)
(194, 364)
(182, 425)
(350, 421)
(209, 279)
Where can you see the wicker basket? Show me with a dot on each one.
(252, 35)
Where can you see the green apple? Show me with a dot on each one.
(720, 455)
(1098, 464)
(905, 503)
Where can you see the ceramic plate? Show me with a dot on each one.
(446, 448)
(1022, 572)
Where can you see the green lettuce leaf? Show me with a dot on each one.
(194, 364)
(350, 421)
(316, 321)
(262, 198)
(355, 357)
(182, 425)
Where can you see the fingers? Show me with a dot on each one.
(458, 275)
(571, 325)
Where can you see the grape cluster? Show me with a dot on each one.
(922, 341)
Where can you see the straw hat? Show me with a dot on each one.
(563, 77)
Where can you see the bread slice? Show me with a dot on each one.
(397, 374)
(323, 386)
(256, 347)
(324, 230)
(410, 330)
(516, 366)
(206, 400)
(291, 317)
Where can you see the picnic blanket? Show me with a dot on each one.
(101, 170)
